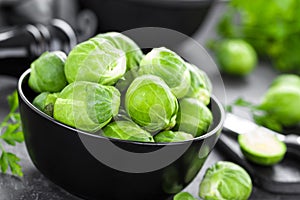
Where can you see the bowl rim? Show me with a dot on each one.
(52, 120)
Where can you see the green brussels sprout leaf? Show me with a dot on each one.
(45, 102)
(170, 136)
(126, 130)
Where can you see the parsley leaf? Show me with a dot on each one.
(11, 133)
(271, 27)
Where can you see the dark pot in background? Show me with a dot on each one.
(185, 16)
(58, 152)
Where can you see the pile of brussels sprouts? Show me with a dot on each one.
(107, 86)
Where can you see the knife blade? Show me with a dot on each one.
(239, 125)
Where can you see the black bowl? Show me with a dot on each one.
(69, 158)
(185, 16)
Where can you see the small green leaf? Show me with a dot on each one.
(15, 117)
(241, 102)
(14, 165)
(12, 134)
(228, 108)
(3, 162)
(13, 101)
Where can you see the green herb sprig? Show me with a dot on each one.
(11, 133)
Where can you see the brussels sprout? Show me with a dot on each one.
(193, 117)
(47, 72)
(95, 60)
(170, 67)
(150, 103)
(201, 86)
(170, 136)
(133, 53)
(87, 106)
(262, 147)
(225, 180)
(281, 103)
(45, 102)
(286, 79)
(126, 130)
(184, 196)
(236, 57)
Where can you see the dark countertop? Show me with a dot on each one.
(35, 186)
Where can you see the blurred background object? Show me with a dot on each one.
(271, 27)
(31, 27)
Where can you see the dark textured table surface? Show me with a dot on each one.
(34, 186)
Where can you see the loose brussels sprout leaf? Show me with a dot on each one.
(184, 196)
(47, 72)
(133, 53)
(126, 130)
(87, 106)
(170, 67)
(281, 102)
(193, 117)
(45, 102)
(95, 60)
(225, 180)
(150, 103)
(170, 136)
(201, 86)
(262, 147)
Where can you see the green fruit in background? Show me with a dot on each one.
(236, 57)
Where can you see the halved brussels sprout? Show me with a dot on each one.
(87, 106)
(225, 180)
(126, 130)
(45, 102)
(201, 86)
(150, 103)
(133, 53)
(95, 60)
(193, 117)
(47, 72)
(170, 136)
(262, 147)
(170, 67)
